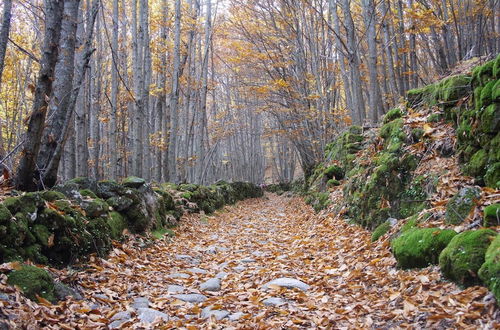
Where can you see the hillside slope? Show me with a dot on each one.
(427, 178)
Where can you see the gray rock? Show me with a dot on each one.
(175, 288)
(212, 249)
(212, 284)
(392, 221)
(148, 315)
(239, 268)
(236, 316)
(192, 297)
(221, 275)
(274, 301)
(101, 296)
(62, 291)
(219, 314)
(187, 258)
(287, 282)
(141, 302)
(247, 260)
(196, 270)
(4, 297)
(121, 316)
(179, 275)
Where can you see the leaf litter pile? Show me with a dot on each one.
(347, 281)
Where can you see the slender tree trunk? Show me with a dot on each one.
(27, 176)
(174, 96)
(4, 39)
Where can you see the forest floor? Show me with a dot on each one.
(345, 280)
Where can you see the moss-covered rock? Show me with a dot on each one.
(88, 193)
(5, 215)
(461, 205)
(117, 224)
(452, 89)
(95, 208)
(492, 176)
(393, 114)
(318, 200)
(489, 272)
(491, 215)
(477, 164)
(33, 281)
(380, 231)
(51, 195)
(120, 203)
(133, 182)
(461, 259)
(490, 119)
(434, 118)
(420, 247)
(42, 234)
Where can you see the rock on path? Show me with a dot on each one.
(213, 284)
(287, 282)
(191, 297)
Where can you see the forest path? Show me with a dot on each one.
(347, 281)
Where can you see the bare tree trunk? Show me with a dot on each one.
(174, 97)
(370, 16)
(354, 64)
(27, 176)
(4, 39)
(114, 95)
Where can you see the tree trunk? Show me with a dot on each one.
(27, 176)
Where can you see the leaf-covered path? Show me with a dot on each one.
(348, 282)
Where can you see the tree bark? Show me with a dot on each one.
(27, 176)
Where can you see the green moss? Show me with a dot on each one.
(95, 208)
(333, 183)
(34, 253)
(133, 182)
(420, 247)
(411, 223)
(318, 201)
(461, 205)
(434, 118)
(452, 89)
(41, 234)
(491, 215)
(482, 74)
(492, 176)
(420, 96)
(188, 187)
(51, 195)
(494, 149)
(392, 129)
(13, 204)
(485, 96)
(162, 232)
(380, 231)
(88, 193)
(5, 215)
(117, 224)
(489, 272)
(33, 281)
(477, 164)
(334, 171)
(461, 259)
(495, 92)
(496, 67)
(392, 114)
(490, 119)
